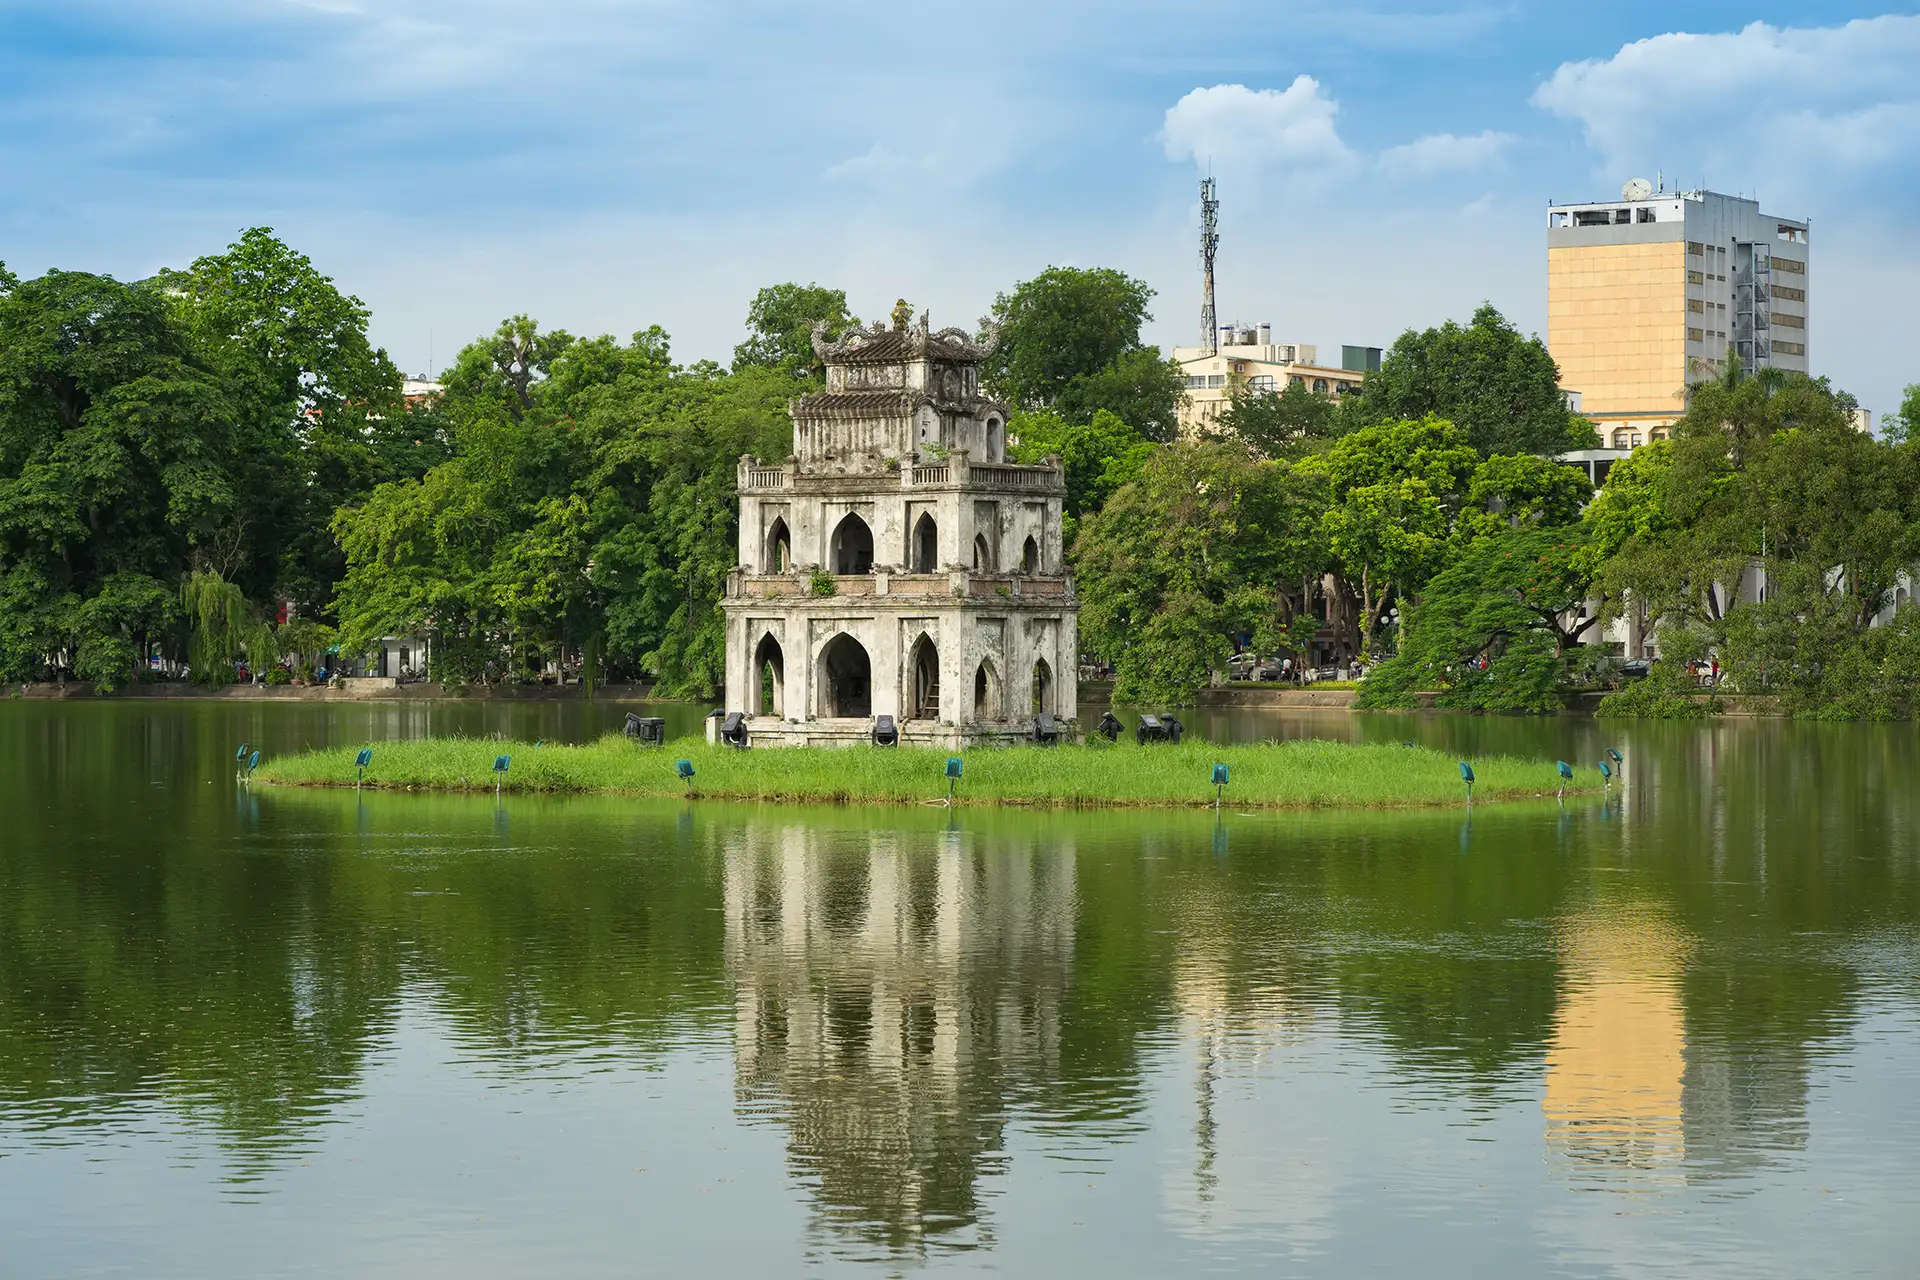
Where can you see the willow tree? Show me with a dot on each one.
(223, 627)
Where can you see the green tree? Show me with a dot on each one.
(117, 451)
(1502, 389)
(1069, 341)
(319, 407)
(1204, 546)
(1903, 425)
(1290, 423)
(1100, 455)
(1491, 631)
(1394, 491)
(224, 628)
(780, 323)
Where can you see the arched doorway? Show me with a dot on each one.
(852, 549)
(996, 441)
(982, 554)
(923, 677)
(926, 544)
(1030, 557)
(1042, 688)
(779, 554)
(768, 692)
(986, 693)
(846, 680)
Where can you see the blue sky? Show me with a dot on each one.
(609, 164)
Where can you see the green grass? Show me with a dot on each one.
(1280, 775)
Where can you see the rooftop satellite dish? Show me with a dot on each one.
(1636, 189)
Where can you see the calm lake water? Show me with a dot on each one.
(272, 1033)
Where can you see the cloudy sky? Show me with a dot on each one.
(609, 164)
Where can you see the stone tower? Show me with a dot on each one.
(897, 564)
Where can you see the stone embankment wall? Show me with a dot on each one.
(353, 691)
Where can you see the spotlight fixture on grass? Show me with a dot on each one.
(1219, 784)
(885, 732)
(1466, 776)
(1046, 730)
(733, 730)
(953, 776)
(360, 763)
(685, 769)
(1109, 727)
(1606, 775)
(500, 766)
(1566, 776)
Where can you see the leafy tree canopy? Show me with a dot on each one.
(1202, 546)
(1069, 341)
(1100, 454)
(780, 324)
(1290, 423)
(1502, 389)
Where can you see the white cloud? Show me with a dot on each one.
(1230, 126)
(1439, 153)
(1762, 106)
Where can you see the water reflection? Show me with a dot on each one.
(892, 993)
(1615, 1064)
(930, 1028)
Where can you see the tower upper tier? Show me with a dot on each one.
(894, 393)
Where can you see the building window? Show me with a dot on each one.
(1789, 349)
(1695, 335)
(1320, 385)
(1636, 439)
(1558, 218)
(1295, 380)
(1785, 321)
(1262, 382)
(1215, 381)
(1696, 277)
(1790, 295)
(1591, 218)
(1793, 235)
(1695, 248)
(1790, 266)
(1696, 306)
(1644, 213)
(1195, 381)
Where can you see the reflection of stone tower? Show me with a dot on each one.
(897, 564)
(888, 996)
(1614, 1066)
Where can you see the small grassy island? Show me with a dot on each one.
(1302, 774)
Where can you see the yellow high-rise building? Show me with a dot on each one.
(1655, 290)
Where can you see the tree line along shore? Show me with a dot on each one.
(181, 456)
(1283, 775)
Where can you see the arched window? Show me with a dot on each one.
(1030, 557)
(986, 693)
(923, 668)
(982, 554)
(1042, 688)
(926, 545)
(1320, 385)
(996, 441)
(846, 680)
(852, 549)
(768, 695)
(779, 554)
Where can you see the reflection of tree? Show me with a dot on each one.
(893, 991)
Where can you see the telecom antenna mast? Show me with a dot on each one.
(1209, 245)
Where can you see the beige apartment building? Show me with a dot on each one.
(1249, 358)
(1652, 291)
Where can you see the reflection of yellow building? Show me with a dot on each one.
(890, 990)
(1616, 1061)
